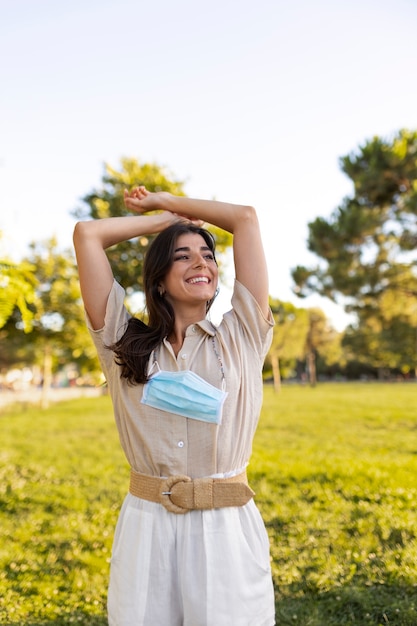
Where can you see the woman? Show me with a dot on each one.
(190, 547)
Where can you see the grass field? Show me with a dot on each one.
(334, 468)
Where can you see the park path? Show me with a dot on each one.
(34, 395)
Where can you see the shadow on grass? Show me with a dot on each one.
(376, 605)
(379, 605)
(80, 618)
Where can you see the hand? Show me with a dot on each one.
(140, 200)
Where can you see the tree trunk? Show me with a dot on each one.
(311, 368)
(276, 374)
(47, 376)
(415, 367)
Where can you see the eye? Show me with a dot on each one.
(181, 257)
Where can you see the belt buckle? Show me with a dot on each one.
(165, 493)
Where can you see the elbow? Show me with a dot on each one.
(76, 235)
(248, 215)
(79, 233)
(246, 220)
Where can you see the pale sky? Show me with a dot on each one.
(251, 102)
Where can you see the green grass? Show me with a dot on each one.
(334, 469)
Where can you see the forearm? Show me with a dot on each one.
(110, 231)
(225, 215)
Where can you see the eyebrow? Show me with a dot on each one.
(187, 249)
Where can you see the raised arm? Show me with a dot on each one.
(240, 220)
(91, 239)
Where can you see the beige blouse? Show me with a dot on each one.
(162, 444)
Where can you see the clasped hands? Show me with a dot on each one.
(140, 200)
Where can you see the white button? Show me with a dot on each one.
(194, 329)
(180, 444)
(183, 356)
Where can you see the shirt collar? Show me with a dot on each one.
(207, 327)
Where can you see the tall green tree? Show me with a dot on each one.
(17, 297)
(368, 246)
(382, 339)
(289, 338)
(107, 201)
(321, 340)
(17, 291)
(58, 334)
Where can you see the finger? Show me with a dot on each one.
(139, 193)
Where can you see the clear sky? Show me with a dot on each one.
(245, 101)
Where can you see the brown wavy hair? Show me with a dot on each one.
(134, 348)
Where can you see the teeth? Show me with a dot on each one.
(200, 279)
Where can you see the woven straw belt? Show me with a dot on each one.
(180, 494)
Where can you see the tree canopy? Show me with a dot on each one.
(57, 335)
(368, 246)
(17, 290)
(301, 335)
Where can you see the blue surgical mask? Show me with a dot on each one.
(184, 393)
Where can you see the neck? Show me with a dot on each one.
(177, 336)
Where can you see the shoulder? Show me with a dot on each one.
(116, 316)
(245, 324)
(245, 306)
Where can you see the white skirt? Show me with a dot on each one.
(203, 568)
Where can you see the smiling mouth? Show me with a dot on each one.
(198, 279)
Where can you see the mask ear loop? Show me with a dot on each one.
(220, 363)
(155, 364)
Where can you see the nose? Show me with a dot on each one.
(200, 261)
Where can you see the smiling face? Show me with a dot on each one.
(192, 278)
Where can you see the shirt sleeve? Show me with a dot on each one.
(246, 319)
(115, 322)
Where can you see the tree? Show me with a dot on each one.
(17, 290)
(127, 258)
(301, 334)
(17, 297)
(289, 337)
(321, 340)
(58, 335)
(382, 339)
(368, 247)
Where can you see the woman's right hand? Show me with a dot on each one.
(140, 200)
